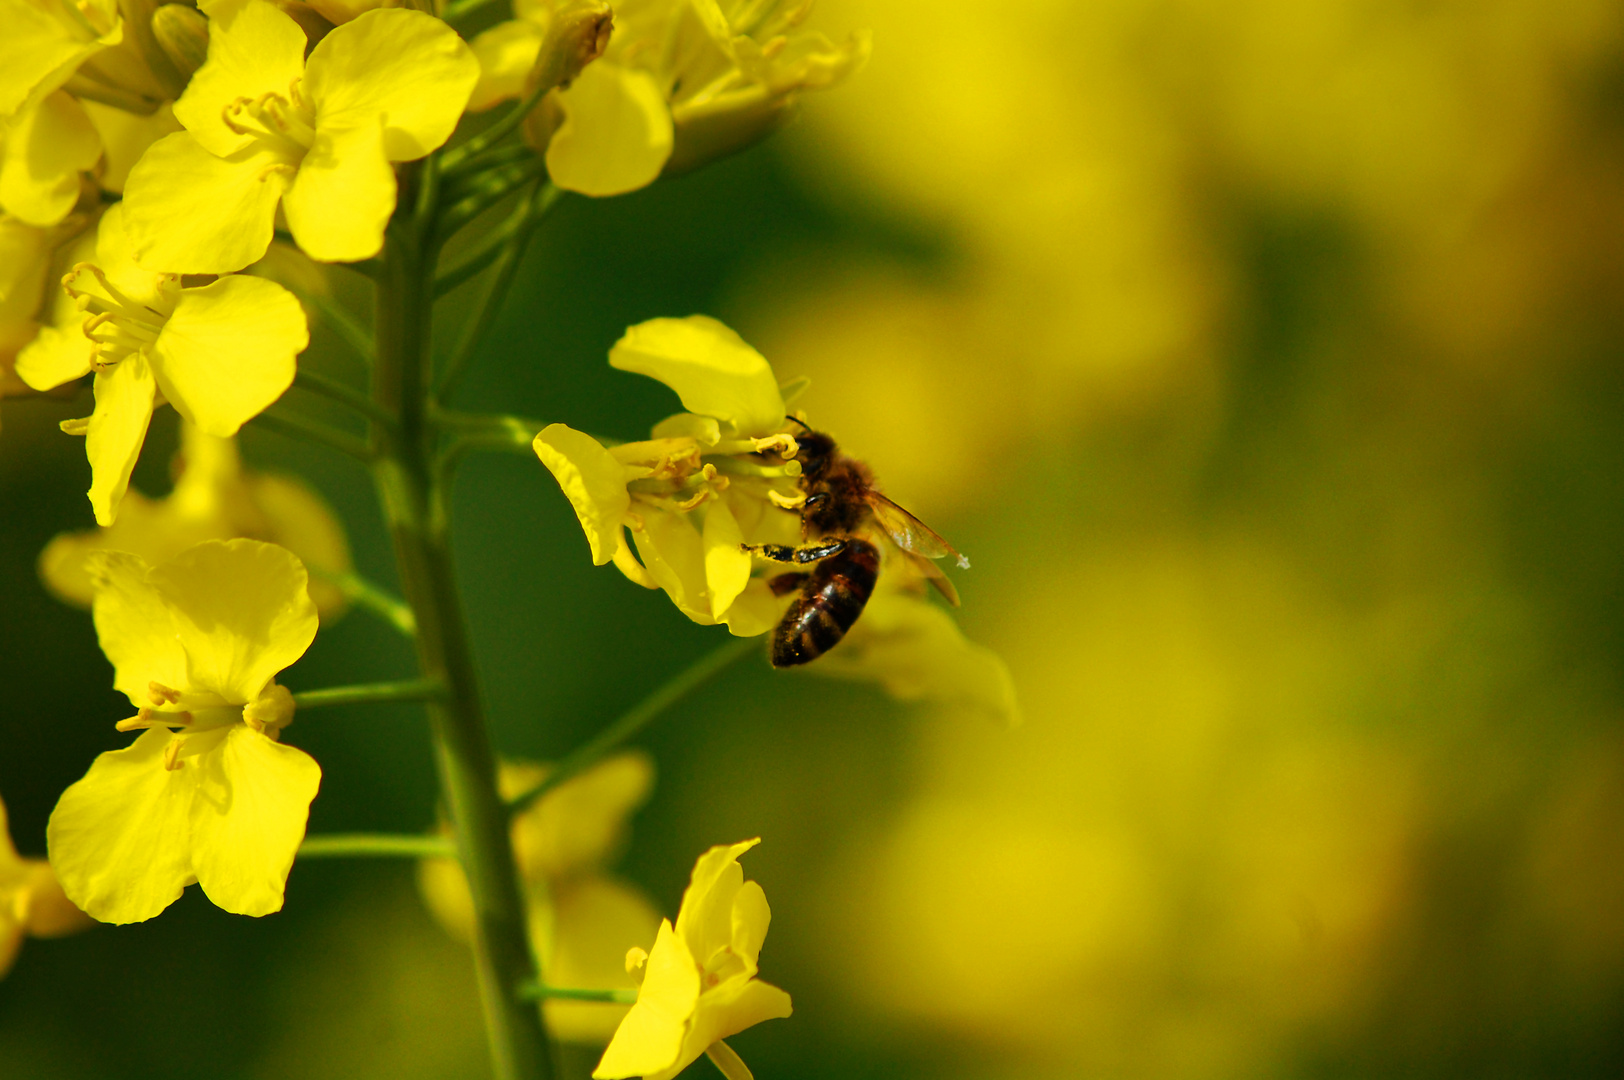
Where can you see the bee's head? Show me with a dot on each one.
(817, 450)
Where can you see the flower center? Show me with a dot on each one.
(116, 324)
(284, 124)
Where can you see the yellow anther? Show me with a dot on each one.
(172, 759)
(787, 502)
(79, 426)
(700, 497)
(159, 694)
(783, 442)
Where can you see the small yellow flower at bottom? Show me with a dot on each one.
(31, 901)
(581, 918)
(195, 644)
(700, 983)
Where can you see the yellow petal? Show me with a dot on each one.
(119, 838)
(674, 556)
(228, 351)
(506, 53)
(728, 1010)
(705, 919)
(581, 823)
(125, 137)
(915, 650)
(190, 212)
(258, 51)
(593, 481)
(727, 564)
(755, 611)
(38, 53)
(650, 1037)
(711, 368)
(54, 357)
(134, 626)
(616, 134)
(50, 912)
(46, 149)
(241, 612)
(124, 397)
(404, 69)
(343, 195)
(751, 917)
(248, 818)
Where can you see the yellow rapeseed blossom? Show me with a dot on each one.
(220, 353)
(214, 498)
(699, 982)
(43, 149)
(25, 253)
(682, 82)
(31, 900)
(582, 919)
(196, 644)
(700, 487)
(46, 41)
(265, 127)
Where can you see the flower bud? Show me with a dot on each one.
(139, 16)
(183, 34)
(576, 35)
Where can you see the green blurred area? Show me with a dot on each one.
(1265, 358)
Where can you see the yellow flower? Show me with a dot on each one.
(699, 489)
(46, 41)
(214, 499)
(220, 353)
(582, 920)
(31, 901)
(25, 254)
(683, 82)
(700, 982)
(265, 127)
(42, 152)
(196, 644)
(916, 652)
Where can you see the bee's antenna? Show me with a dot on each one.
(804, 425)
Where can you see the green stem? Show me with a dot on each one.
(459, 10)
(496, 290)
(373, 597)
(408, 487)
(536, 992)
(356, 336)
(333, 390)
(371, 693)
(519, 226)
(376, 846)
(492, 188)
(459, 155)
(639, 717)
(297, 427)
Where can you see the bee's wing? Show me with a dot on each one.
(909, 533)
(934, 574)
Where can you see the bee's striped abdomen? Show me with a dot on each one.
(829, 603)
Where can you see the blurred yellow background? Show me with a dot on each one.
(1265, 358)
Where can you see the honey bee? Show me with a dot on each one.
(841, 502)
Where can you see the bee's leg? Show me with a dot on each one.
(784, 584)
(809, 507)
(806, 553)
